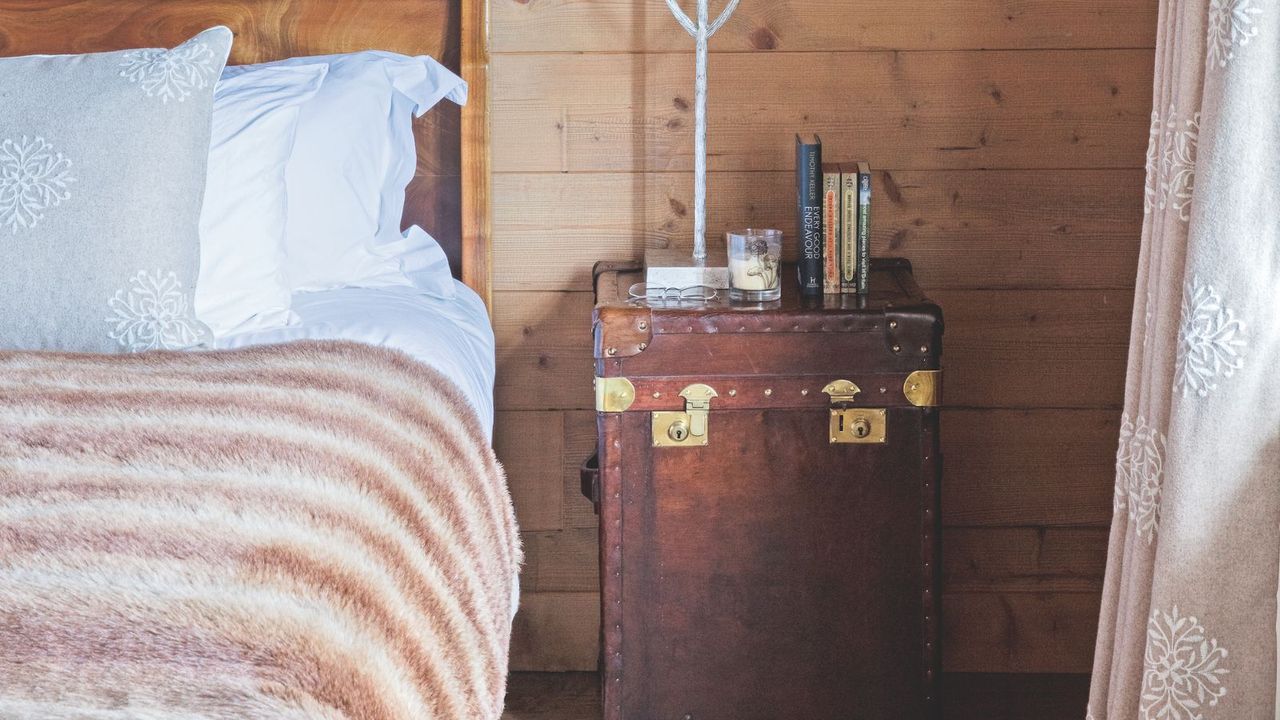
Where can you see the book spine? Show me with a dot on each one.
(831, 229)
(849, 228)
(864, 228)
(809, 216)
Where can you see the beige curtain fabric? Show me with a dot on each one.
(1188, 625)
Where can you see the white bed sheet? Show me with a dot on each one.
(452, 335)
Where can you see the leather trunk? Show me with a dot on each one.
(763, 569)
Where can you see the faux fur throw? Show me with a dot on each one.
(314, 530)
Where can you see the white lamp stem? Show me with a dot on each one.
(700, 138)
(700, 31)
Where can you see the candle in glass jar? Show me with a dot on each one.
(747, 274)
(755, 258)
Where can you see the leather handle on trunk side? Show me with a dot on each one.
(589, 473)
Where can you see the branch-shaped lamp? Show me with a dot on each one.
(661, 269)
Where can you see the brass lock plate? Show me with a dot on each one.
(672, 428)
(857, 425)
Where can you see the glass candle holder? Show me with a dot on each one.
(755, 264)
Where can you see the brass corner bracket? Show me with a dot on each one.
(614, 394)
(923, 388)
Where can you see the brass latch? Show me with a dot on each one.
(841, 391)
(681, 429)
(852, 425)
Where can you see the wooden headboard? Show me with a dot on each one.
(449, 196)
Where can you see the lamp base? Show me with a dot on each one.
(676, 268)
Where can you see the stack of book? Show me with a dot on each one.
(833, 222)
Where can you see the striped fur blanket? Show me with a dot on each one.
(313, 530)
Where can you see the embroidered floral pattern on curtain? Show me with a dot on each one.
(1194, 557)
(1171, 162)
(1139, 474)
(1183, 669)
(1210, 341)
(1231, 25)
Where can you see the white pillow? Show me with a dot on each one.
(425, 264)
(353, 156)
(242, 283)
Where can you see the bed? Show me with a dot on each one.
(290, 519)
(452, 335)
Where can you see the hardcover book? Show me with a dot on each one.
(831, 193)
(848, 227)
(809, 213)
(864, 228)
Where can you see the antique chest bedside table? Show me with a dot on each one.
(768, 488)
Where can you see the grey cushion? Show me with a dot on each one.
(102, 175)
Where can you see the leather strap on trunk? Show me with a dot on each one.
(589, 474)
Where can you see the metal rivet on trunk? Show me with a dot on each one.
(645, 345)
(893, 324)
(614, 351)
(896, 348)
(642, 325)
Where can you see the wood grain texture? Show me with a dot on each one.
(477, 213)
(1018, 228)
(542, 451)
(621, 26)
(1019, 632)
(913, 110)
(553, 696)
(531, 447)
(265, 29)
(1024, 559)
(544, 350)
(579, 444)
(1028, 467)
(448, 195)
(1036, 348)
(561, 561)
(556, 632)
(1014, 696)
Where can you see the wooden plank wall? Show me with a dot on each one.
(1009, 137)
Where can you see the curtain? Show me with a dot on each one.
(1188, 628)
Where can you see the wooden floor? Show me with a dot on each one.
(574, 696)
